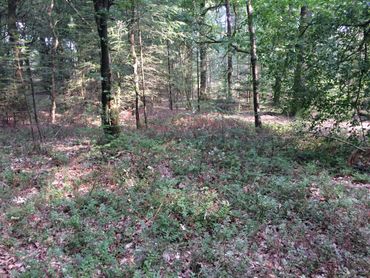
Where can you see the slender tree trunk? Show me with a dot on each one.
(209, 76)
(279, 79)
(254, 60)
(203, 56)
(14, 37)
(170, 97)
(189, 75)
(142, 73)
(203, 71)
(45, 64)
(30, 119)
(185, 76)
(134, 63)
(29, 72)
(15, 42)
(229, 49)
(110, 115)
(298, 83)
(198, 81)
(237, 66)
(54, 48)
(277, 89)
(83, 85)
(53, 92)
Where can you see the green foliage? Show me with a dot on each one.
(206, 200)
(200, 195)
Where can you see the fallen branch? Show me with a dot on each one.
(340, 140)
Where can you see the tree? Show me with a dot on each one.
(54, 48)
(299, 88)
(229, 53)
(18, 79)
(134, 62)
(142, 64)
(110, 119)
(254, 60)
(202, 53)
(169, 67)
(312, 55)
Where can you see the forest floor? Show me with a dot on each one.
(194, 195)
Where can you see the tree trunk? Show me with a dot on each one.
(277, 90)
(254, 60)
(54, 48)
(15, 43)
(170, 97)
(134, 63)
(229, 50)
(189, 75)
(14, 38)
(279, 75)
(203, 71)
(198, 81)
(45, 64)
(298, 83)
(110, 116)
(142, 73)
(203, 56)
(29, 72)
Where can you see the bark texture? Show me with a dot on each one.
(299, 88)
(254, 60)
(170, 97)
(229, 49)
(134, 64)
(109, 114)
(203, 55)
(54, 48)
(142, 73)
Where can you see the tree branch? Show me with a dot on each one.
(206, 10)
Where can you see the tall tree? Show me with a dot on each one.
(34, 106)
(229, 49)
(142, 64)
(110, 117)
(134, 62)
(254, 60)
(203, 53)
(198, 82)
(15, 42)
(54, 48)
(299, 89)
(169, 68)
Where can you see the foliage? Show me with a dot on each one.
(206, 202)
(199, 192)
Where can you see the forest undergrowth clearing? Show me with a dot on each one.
(193, 195)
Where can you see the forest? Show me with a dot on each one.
(184, 138)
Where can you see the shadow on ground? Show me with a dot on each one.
(194, 195)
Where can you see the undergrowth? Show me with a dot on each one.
(217, 200)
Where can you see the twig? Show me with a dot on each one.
(56, 134)
(155, 214)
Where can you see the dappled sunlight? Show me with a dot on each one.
(147, 190)
(206, 122)
(184, 138)
(266, 118)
